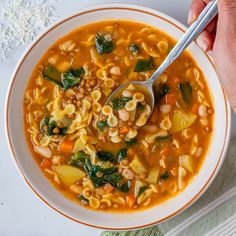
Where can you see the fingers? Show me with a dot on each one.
(205, 41)
(196, 8)
(228, 6)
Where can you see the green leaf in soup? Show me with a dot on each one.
(141, 190)
(122, 154)
(51, 126)
(165, 175)
(143, 65)
(125, 187)
(102, 124)
(134, 48)
(83, 198)
(72, 77)
(162, 90)
(52, 74)
(186, 92)
(131, 142)
(106, 156)
(92, 171)
(78, 159)
(103, 45)
(113, 179)
(119, 102)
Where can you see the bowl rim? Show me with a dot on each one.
(128, 7)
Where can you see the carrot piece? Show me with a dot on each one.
(124, 130)
(130, 200)
(195, 108)
(154, 116)
(108, 188)
(46, 164)
(131, 152)
(66, 146)
(170, 98)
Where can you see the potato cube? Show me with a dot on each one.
(69, 174)
(137, 165)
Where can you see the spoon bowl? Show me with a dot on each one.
(209, 12)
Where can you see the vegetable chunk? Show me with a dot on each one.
(137, 165)
(69, 174)
(182, 120)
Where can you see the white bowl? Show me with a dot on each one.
(39, 183)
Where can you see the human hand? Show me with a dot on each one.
(219, 40)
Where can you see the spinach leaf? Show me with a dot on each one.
(122, 154)
(92, 171)
(78, 159)
(162, 90)
(186, 92)
(134, 48)
(165, 175)
(72, 77)
(125, 187)
(52, 74)
(131, 142)
(103, 46)
(141, 190)
(110, 175)
(143, 65)
(102, 124)
(113, 179)
(119, 103)
(83, 198)
(106, 156)
(51, 126)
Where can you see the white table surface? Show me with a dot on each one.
(21, 211)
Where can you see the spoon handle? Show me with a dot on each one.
(209, 12)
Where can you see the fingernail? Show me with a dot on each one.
(190, 17)
(202, 43)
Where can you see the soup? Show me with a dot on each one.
(119, 156)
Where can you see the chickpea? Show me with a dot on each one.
(202, 111)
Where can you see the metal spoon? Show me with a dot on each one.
(194, 30)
